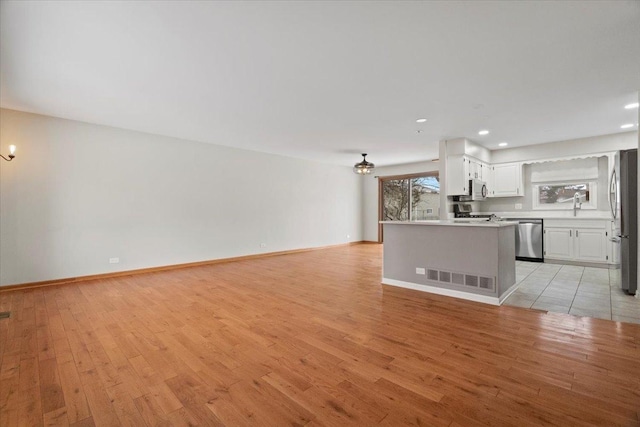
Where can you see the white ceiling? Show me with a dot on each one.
(328, 80)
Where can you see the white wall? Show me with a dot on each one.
(370, 193)
(595, 144)
(78, 194)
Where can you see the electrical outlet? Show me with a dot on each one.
(114, 260)
(420, 271)
(518, 206)
(263, 245)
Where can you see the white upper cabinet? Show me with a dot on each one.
(465, 160)
(458, 175)
(461, 169)
(478, 169)
(484, 172)
(505, 180)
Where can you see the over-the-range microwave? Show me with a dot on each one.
(477, 189)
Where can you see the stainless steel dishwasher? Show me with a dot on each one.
(529, 239)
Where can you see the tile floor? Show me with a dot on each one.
(581, 291)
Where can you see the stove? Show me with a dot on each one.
(463, 210)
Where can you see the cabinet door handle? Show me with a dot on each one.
(570, 231)
(576, 233)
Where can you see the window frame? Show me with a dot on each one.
(592, 204)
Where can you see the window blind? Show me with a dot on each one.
(565, 170)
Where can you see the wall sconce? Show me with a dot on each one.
(12, 149)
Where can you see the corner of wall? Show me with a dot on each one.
(442, 170)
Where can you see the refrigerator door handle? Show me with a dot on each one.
(613, 194)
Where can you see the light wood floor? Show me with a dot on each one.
(304, 339)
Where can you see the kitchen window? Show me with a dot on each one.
(561, 196)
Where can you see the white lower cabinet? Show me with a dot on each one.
(591, 245)
(588, 242)
(558, 243)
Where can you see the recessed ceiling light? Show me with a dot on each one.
(483, 132)
(627, 126)
(630, 106)
(421, 120)
(503, 144)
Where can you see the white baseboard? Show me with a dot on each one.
(446, 292)
(582, 263)
(508, 293)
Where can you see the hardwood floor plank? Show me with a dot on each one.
(29, 377)
(151, 412)
(102, 411)
(57, 418)
(431, 412)
(256, 399)
(181, 417)
(9, 391)
(87, 422)
(50, 389)
(76, 404)
(45, 343)
(30, 411)
(124, 407)
(80, 353)
(331, 409)
(190, 389)
(227, 413)
(303, 339)
(164, 397)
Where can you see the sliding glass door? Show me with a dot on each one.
(408, 198)
(395, 199)
(425, 198)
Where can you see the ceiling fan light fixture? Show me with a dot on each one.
(364, 167)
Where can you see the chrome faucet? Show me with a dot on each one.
(577, 204)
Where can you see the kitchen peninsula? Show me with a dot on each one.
(466, 259)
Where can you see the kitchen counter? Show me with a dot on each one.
(582, 215)
(459, 222)
(472, 260)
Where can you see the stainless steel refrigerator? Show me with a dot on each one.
(623, 197)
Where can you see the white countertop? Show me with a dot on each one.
(582, 215)
(462, 222)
